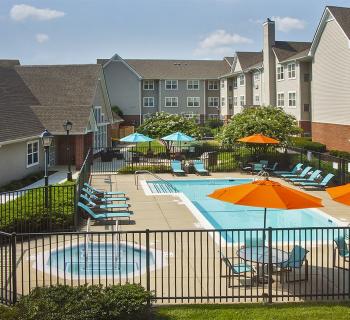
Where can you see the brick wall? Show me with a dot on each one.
(335, 136)
(131, 120)
(306, 126)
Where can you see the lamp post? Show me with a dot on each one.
(46, 139)
(68, 127)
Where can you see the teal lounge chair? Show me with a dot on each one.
(295, 170)
(255, 167)
(312, 178)
(301, 175)
(238, 270)
(101, 199)
(104, 193)
(104, 206)
(199, 167)
(176, 168)
(271, 169)
(319, 185)
(296, 260)
(343, 252)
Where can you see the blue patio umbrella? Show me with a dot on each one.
(136, 138)
(178, 137)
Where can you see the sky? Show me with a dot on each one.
(79, 31)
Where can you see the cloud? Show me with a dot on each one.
(23, 12)
(41, 37)
(286, 24)
(220, 42)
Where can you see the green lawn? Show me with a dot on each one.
(255, 312)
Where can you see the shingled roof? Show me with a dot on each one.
(249, 59)
(287, 50)
(342, 15)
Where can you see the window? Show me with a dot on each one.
(222, 84)
(100, 136)
(213, 85)
(291, 71)
(223, 101)
(241, 101)
(32, 153)
(148, 85)
(193, 102)
(192, 84)
(256, 77)
(241, 80)
(148, 102)
(280, 72)
(306, 77)
(213, 116)
(292, 99)
(170, 84)
(230, 102)
(306, 107)
(235, 82)
(230, 87)
(171, 101)
(280, 99)
(235, 101)
(257, 99)
(213, 101)
(195, 117)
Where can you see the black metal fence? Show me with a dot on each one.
(184, 266)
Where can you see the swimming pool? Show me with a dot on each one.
(215, 214)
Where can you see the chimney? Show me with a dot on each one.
(269, 63)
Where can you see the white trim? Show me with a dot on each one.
(199, 102)
(284, 99)
(240, 100)
(295, 70)
(214, 106)
(38, 152)
(152, 98)
(217, 83)
(117, 58)
(176, 99)
(283, 73)
(144, 82)
(18, 140)
(241, 75)
(294, 107)
(193, 80)
(177, 85)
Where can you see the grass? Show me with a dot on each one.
(276, 311)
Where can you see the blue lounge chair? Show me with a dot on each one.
(295, 170)
(104, 206)
(343, 251)
(104, 193)
(271, 169)
(301, 175)
(319, 185)
(176, 168)
(312, 178)
(255, 167)
(296, 260)
(199, 167)
(237, 270)
(100, 199)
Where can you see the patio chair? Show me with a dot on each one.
(176, 168)
(301, 175)
(104, 193)
(106, 205)
(343, 252)
(296, 260)
(319, 185)
(99, 200)
(255, 167)
(315, 175)
(265, 163)
(98, 216)
(237, 270)
(199, 167)
(271, 169)
(295, 170)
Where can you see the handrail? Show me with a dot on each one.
(136, 179)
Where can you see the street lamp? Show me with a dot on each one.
(46, 139)
(68, 127)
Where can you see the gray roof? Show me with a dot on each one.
(9, 62)
(342, 15)
(288, 50)
(249, 59)
(17, 120)
(179, 69)
(102, 61)
(230, 60)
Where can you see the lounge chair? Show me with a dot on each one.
(265, 163)
(176, 168)
(312, 178)
(271, 169)
(104, 193)
(295, 170)
(98, 216)
(238, 270)
(296, 260)
(199, 167)
(319, 185)
(255, 167)
(98, 199)
(106, 205)
(343, 251)
(301, 175)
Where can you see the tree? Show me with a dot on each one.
(270, 121)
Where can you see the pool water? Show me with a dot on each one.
(223, 215)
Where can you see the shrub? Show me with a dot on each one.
(340, 154)
(153, 168)
(124, 302)
(306, 143)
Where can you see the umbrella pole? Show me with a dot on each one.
(264, 238)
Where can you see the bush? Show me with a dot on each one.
(340, 154)
(124, 302)
(152, 168)
(306, 143)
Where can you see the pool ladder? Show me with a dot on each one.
(170, 187)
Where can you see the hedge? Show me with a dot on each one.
(306, 143)
(340, 154)
(152, 168)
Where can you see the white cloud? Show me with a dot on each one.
(41, 37)
(286, 24)
(21, 12)
(220, 42)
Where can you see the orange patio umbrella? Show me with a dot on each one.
(266, 194)
(340, 194)
(259, 138)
